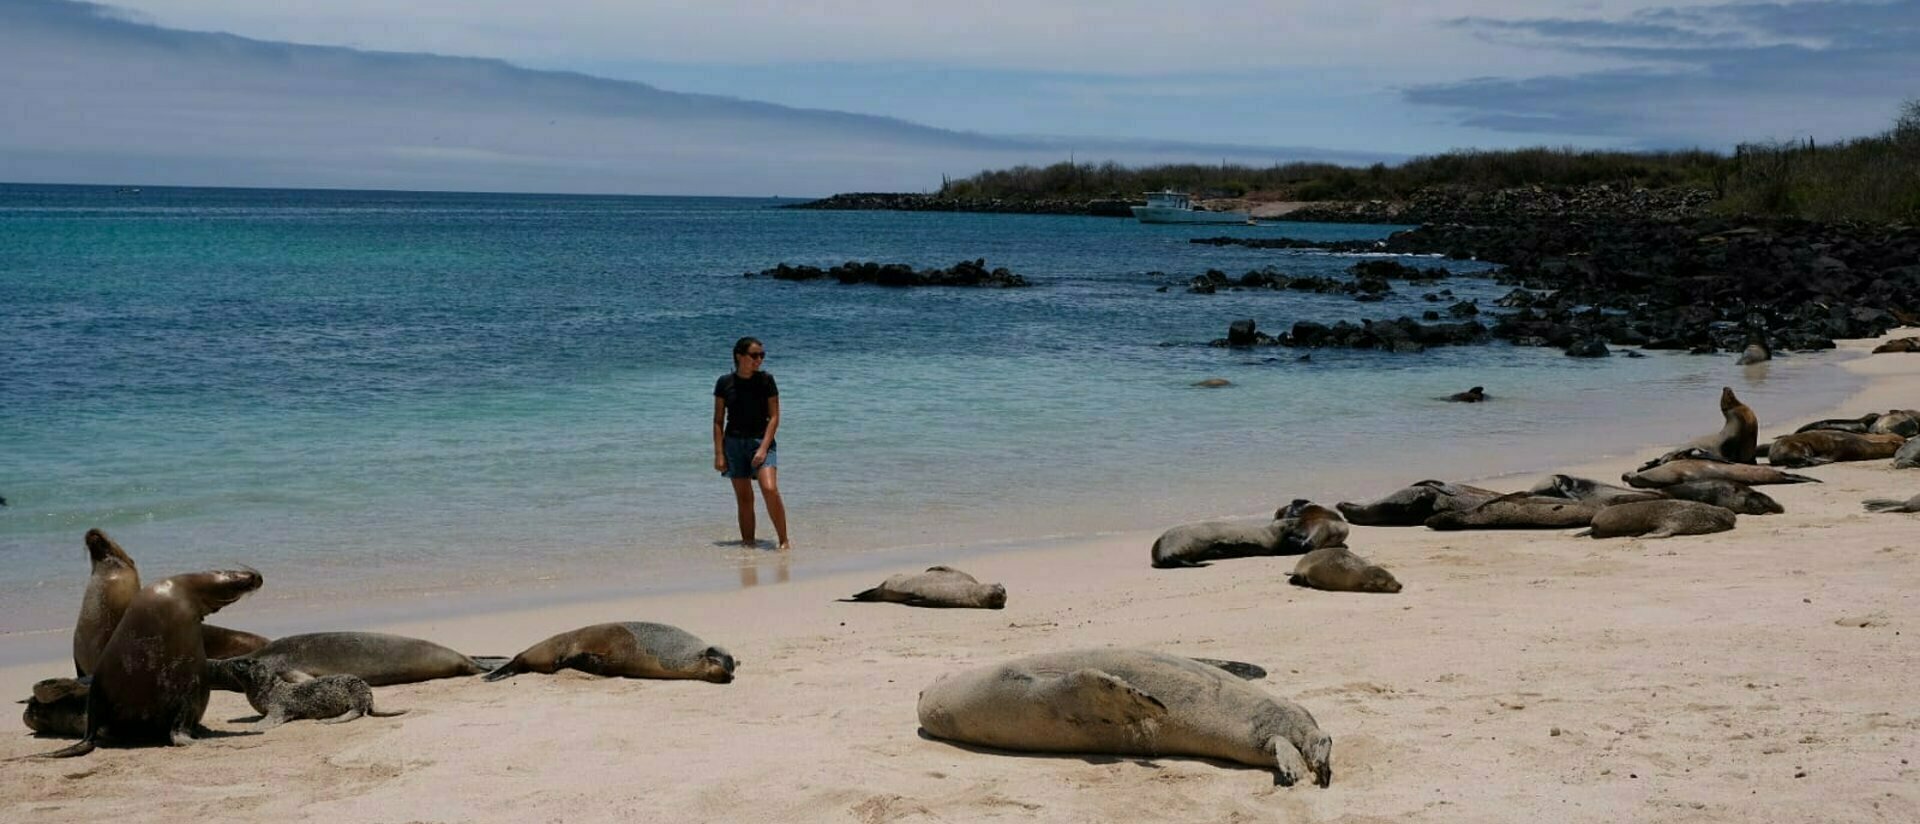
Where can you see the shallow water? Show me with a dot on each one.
(403, 397)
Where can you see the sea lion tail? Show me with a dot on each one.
(1585, 533)
(84, 746)
(1800, 479)
(384, 713)
(1883, 505)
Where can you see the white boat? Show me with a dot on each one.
(1177, 207)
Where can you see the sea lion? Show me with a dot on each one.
(1898, 345)
(1413, 505)
(287, 695)
(1738, 435)
(1757, 351)
(1337, 569)
(1519, 510)
(1474, 395)
(1682, 471)
(1823, 446)
(939, 586)
(1890, 505)
(1590, 492)
(378, 658)
(110, 588)
(1297, 528)
(1739, 497)
(1909, 455)
(151, 683)
(1213, 383)
(1902, 422)
(1858, 425)
(1126, 702)
(629, 650)
(1659, 519)
(58, 708)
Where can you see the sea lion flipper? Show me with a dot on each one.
(1099, 695)
(1242, 669)
(507, 670)
(864, 595)
(1663, 532)
(1800, 479)
(1882, 504)
(489, 663)
(1585, 533)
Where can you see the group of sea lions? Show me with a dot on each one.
(145, 662)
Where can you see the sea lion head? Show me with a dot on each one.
(1292, 510)
(1318, 753)
(101, 548)
(1568, 486)
(717, 665)
(1748, 501)
(1727, 399)
(62, 717)
(996, 597)
(212, 590)
(1378, 579)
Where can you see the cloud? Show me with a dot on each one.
(1710, 75)
(97, 96)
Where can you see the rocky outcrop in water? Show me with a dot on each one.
(964, 273)
(910, 202)
(1398, 335)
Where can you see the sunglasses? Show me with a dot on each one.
(757, 355)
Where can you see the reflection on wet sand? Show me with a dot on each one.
(750, 568)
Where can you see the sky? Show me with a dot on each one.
(810, 97)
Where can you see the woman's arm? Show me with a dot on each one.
(773, 425)
(719, 431)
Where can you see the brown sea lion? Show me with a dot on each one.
(1213, 383)
(1890, 505)
(1902, 422)
(1757, 351)
(282, 696)
(1739, 497)
(1898, 345)
(378, 658)
(1824, 446)
(1474, 395)
(151, 684)
(1682, 471)
(629, 650)
(1413, 505)
(1738, 435)
(1337, 569)
(1589, 491)
(1859, 424)
(1297, 528)
(1309, 526)
(1126, 702)
(1659, 519)
(1517, 511)
(1909, 455)
(110, 588)
(58, 708)
(939, 586)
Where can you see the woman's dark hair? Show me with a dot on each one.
(740, 346)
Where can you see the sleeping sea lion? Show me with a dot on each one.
(939, 586)
(110, 588)
(1309, 526)
(1823, 446)
(1909, 455)
(1300, 527)
(1858, 425)
(1659, 519)
(629, 650)
(1337, 569)
(1739, 497)
(151, 683)
(378, 658)
(1682, 471)
(1590, 492)
(1902, 422)
(1519, 510)
(1899, 345)
(1413, 505)
(1126, 702)
(1890, 505)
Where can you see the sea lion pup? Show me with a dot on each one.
(939, 586)
(1682, 471)
(1823, 446)
(1474, 395)
(1858, 425)
(1890, 505)
(629, 650)
(151, 682)
(1659, 519)
(1902, 422)
(1126, 702)
(1898, 345)
(285, 696)
(377, 658)
(1909, 455)
(1738, 435)
(114, 581)
(1739, 497)
(1413, 505)
(1337, 569)
(1309, 526)
(1519, 510)
(1590, 492)
(58, 708)
(1299, 527)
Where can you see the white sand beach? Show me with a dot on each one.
(1762, 674)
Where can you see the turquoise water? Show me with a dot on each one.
(410, 394)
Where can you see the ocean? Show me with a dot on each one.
(405, 402)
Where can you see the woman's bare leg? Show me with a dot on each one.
(743, 503)
(776, 509)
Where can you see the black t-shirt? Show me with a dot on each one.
(746, 402)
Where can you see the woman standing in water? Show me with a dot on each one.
(746, 413)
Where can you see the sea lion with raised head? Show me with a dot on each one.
(1823, 446)
(1890, 505)
(114, 581)
(1739, 497)
(629, 650)
(151, 684)
(378, 658)
(1126, 702)
(1519, 510)
(939, 586)
(1738, 435)
(1337, 569)
(1858, 425)
(1590, 491)
(1909, 455)
(1297, 528)
(1682, 471)
(1659, 519)
(1413, 505)
(287, 695)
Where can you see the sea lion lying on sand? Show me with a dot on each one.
(939, 586)
(1518, 511)
(58, 708)
(1337, 569)
(1303, 527)
(1309, 526)
(1126, 702)
(1739, 497)
(635, 649)
(1857, 425)
(1682, 471)
(1659, 519)
(378, 658)
(1898, 345)
(1902, 422)
(1909, 455)
(285, 696)
(1890, 505)
(1589, 492)
(1413, 505)
(1823, 446)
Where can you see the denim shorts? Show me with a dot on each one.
(739, 452)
